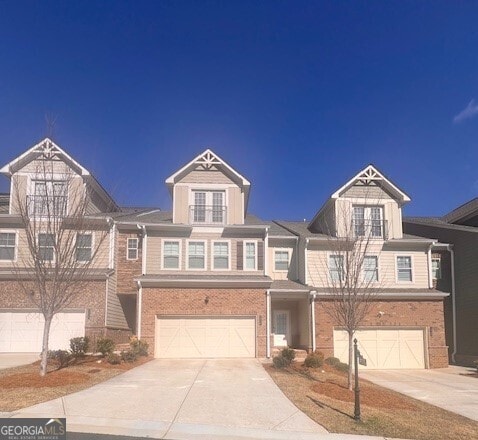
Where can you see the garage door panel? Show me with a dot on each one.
(208, 337)
(384, 348)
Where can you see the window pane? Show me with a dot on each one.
(132, 254)
(83, 254)
(46, 240)
(7, 253)
(370, 269)
(83, 240)
(7, 239)
(404, 268)
(196, 255)
(281, 260)
(436, 268)
(171, 262)
(196, 262)
(336, 263)
(46, 254)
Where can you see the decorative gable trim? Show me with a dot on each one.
(368, 175)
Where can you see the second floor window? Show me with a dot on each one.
(132, 249)
(281, 260)
(171, 255)
(404, 268)
(370, 269)
(196, 255)
(49, 198)
(436, 268)
(250, 256)
(221, 255)
(7, 246)
(46, 247)
(209, 207)
(84, 243)
(336, 268)
(368, 221)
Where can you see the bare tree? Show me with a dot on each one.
(59, 244)
(350, 273)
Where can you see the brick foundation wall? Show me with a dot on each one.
(396, 314)
(222, 302)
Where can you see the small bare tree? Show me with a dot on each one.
(59, 243)
(350, 273)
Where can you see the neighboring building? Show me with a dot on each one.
(460, 229)
(208, 279)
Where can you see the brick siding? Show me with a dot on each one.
(127, 270)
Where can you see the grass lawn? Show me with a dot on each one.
(322, 394)
(23, 386)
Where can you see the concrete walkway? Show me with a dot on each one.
(448, 388)
(182, 399)
(9, 360)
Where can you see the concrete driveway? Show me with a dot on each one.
(9, 360)
(183, 399)
(449, 388)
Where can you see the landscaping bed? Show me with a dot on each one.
(322, 394)
(23, 386)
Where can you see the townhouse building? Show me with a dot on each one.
(207, 279)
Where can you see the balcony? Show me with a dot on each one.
(370, 229)
(47, 206)
(207, 215)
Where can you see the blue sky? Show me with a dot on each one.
(297, 96)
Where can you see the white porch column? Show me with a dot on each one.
(268, 324)
(312, 305)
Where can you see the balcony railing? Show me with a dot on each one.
(47, 206)
(370, 229)
(207, 215)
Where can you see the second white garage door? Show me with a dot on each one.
(384, 349)
(199, 337)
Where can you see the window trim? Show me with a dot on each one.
(164, 240)
(92, 245)
(367, 219)
(15, 248)
(412, 268)
(31, 186)
(229, 255)
(128, 248)
(209, 190)
(288, 260)
(439, 268)
(377, 269)
(244, 254)
(205, 254)
(53, 260)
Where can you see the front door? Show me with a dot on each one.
(281, 328)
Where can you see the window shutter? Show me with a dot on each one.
(240, 255)
(260, 255)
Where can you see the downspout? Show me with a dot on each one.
(144, 248)
(453, 300)
(429, 261)
(266, 252)
(140, 300)
(268, 323)
(313, 294)
(306, 263)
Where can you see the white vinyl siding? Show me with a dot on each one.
(46, 248)
(370, 269)
(132, 249)
(281, 260)
(7, 246)
(220, 255)
(197, 255)
(171, 254)
(404, 268)
(84, 245)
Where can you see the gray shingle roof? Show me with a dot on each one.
(468, 208)
(300, 228)
(289, 285)
(439, 223)
(276, 230)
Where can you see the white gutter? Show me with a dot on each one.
(138, 320)
(314, 344)
(268, 324)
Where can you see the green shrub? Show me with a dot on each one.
(61, 357)
(342, 367)
(79, 346)
(140, 348)
(113, 359)
(128, 356)
(105, 346)
(332, 361)
(280, 362)
(314, 360)
(288, 354)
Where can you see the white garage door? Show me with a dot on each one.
(23, 332)
(210, 337)
(384, 349)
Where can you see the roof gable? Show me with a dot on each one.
(463, 213)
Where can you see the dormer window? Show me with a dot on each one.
(48, 198)
(368, 222)
(208, 207)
